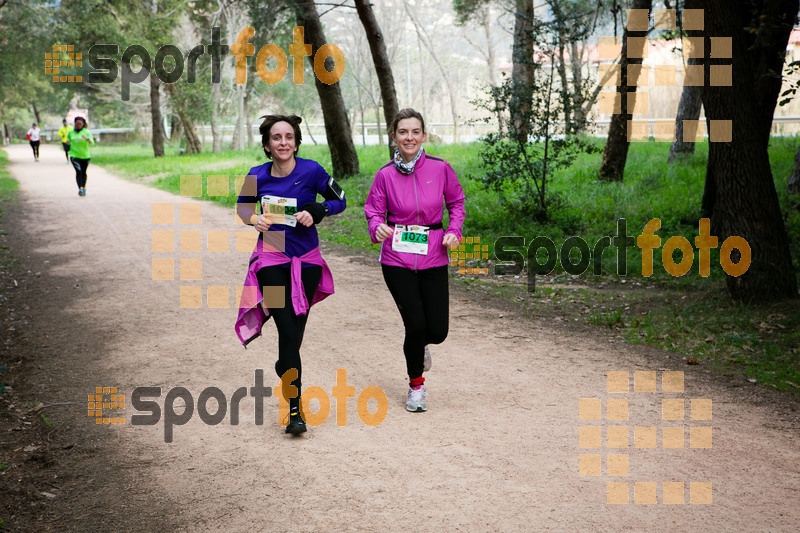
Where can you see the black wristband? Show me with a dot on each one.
(315, 209)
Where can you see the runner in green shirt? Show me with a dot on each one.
(79, 140)
(63, 131)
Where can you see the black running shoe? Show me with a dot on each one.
(296, 423)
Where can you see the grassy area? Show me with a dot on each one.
(8, 185)
(8, 191)
(691, 315)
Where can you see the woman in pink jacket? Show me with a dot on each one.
(404, 212)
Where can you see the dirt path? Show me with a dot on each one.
(497, 450)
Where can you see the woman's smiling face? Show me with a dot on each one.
(281, 142)
(408, 137)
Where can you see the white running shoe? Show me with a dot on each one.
(415, 402)
(426, 361)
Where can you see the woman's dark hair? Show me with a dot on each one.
(81, 119)
(271, 120)
(403, 114)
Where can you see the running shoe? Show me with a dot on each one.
(296, 423)
(80, 192)
(415, 402)
(426, 361)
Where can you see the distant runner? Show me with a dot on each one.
(63, 132)
(33, 137)
(79, 140)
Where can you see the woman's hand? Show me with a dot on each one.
(262, 222)
(305, 218)
(450, 240)
(383, 232)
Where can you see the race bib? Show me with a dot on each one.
(410, 239)
(280, 210)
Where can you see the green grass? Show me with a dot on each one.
(8, 185)
(690, 315)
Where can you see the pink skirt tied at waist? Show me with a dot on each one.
(253, 315)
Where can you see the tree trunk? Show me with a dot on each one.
(36, 114)
(522, 68)
(741, 196)
(344, 160)
(238, 134)
(615, 153)
(248, 122)
(578, 96)
(193, 144)
(176, 128)
(566, 99)
(157, 137)
(216, 134)
(7, 138)
(380, 58)
(688, 109)
(380, 133)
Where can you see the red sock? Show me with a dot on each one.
(416, 382)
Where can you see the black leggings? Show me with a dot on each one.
(66, 149)
(80, 166)
(422, 297)
(35, 147)
(291, 327)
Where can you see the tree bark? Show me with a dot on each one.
(216, 135)
(238, 134)
(740, 191)
(380, 58)
(248, 122)
(193, 144)
(36, 114)
(566, 96)
(688, 109)
(344, 160)
(522, 68)
(615, 152)
(157, 137)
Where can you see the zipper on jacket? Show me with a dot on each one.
(416, 199)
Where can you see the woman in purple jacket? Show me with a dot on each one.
(287, 260)
(404, 212)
